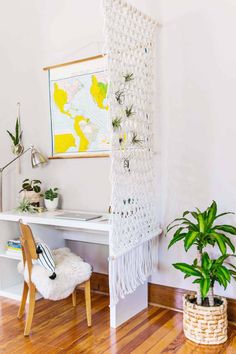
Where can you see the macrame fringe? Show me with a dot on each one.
(131, 269)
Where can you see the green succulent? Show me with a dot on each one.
(50, 194)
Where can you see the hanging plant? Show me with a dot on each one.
(129, 111)
(16, 137)
(120, 96)
(135, 140)
(126, 164)
(129, 77)
(116, 123)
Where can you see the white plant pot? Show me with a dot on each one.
(51, 205)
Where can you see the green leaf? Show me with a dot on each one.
(177, 237)
(206, 261)
(17, 131)
(187, 221)
(220, 242)
(197, 281)
(12, 137)
(172, 227)
(232, 272)
(226, 228)
(186, 212)
(37, 189)
(187, 269)
(229, 243)
(229, 212)
(205, 286)
(221, 259)
(221, 279)
(189, 239)
(194, 214)
(201, 223)
(187, 276)
(225, 272)
(211, 214)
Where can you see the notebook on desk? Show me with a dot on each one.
(78, 216)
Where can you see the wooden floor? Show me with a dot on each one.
(59, 328)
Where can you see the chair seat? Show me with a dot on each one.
(70, 270)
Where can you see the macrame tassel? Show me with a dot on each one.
(131, 269)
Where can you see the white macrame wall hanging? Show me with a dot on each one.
(130, 37)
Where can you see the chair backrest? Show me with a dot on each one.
(28, 246)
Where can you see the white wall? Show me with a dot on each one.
(34, 35)
(195, 107)
(198, 106)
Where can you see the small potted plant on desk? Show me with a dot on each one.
(51, 199)
(31, 191)
(205, 315)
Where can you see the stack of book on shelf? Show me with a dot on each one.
(14, 247)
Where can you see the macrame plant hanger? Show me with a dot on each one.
(130, 39)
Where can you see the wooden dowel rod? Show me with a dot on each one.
(78, 157)
(74, 62)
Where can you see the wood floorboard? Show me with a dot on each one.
(58, 328)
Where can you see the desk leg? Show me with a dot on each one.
(129, 307)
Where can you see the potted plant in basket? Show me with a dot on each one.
(31, 191)
(205, 315)
(51, 199)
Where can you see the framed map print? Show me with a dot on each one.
(79, 108)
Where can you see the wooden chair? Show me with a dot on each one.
(29, 254)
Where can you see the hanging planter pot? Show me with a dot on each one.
(17, 149)
(205, 325)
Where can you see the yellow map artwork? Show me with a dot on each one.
(79, 112)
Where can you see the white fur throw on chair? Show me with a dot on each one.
(71, 271)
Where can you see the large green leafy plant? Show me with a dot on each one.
(199, 229)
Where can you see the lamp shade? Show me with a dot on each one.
(37, 158)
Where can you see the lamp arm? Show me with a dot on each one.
(16, 158)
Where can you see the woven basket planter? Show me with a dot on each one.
(205, 325)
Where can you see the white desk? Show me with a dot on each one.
(93, 231)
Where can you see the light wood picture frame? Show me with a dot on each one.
(80, 125)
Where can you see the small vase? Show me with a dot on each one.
(51, 205)
(17, 149)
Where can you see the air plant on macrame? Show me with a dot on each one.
(135, 140)
(129, 111)
(120, 96)
(116, 123)
(129, 77)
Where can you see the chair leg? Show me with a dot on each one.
(88, 302)
(32, 291)
(23, 301)
(74, 298)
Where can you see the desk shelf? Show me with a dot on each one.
(11, 256)
(14, 292)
